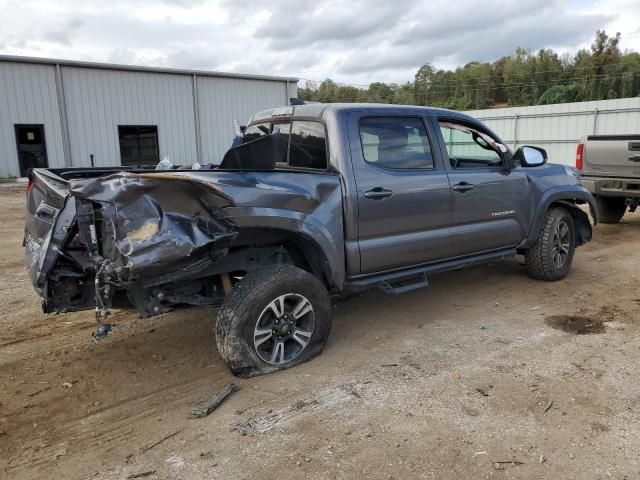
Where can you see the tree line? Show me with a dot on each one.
(524, 78)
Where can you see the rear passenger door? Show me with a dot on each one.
(490, 201)
(403, 194)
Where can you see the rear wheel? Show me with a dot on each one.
(610, 209)
(551, 256)
(274, 318)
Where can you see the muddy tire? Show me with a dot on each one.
(610, 209)
(276, 317)
(551, 256)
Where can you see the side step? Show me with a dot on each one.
(402, 281)
(405, 284)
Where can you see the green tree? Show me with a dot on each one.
(600, 72)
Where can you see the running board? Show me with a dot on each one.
(402, 281)
(404, 284)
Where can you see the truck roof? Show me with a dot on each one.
(318, 110)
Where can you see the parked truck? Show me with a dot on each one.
(609, 166)
(318, 200)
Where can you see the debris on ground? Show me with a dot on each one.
(548, 407)
(61, 452)
(501, 464)
(141, 474)
(160, 441)
(214, 402)
(39, 391)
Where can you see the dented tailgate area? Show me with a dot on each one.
(150, 240)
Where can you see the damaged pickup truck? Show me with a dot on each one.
(316, 201)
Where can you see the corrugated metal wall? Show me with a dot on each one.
(193, 123)
(222, 100)
(558, 128)
(100, 100)
(28, 96)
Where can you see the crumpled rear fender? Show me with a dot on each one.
(154, 225)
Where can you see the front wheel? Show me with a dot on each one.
(274, 318)
(551, 256)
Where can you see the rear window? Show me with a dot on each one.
(307, 147)
(303, 143)
(395, 142)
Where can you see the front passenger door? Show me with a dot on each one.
(490, 201)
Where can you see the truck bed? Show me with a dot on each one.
(147, 228)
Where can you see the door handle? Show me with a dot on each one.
(462, 187)
(378, 193)
(634, 158)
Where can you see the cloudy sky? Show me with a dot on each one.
(351, 41)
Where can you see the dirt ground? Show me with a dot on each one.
(486, 374)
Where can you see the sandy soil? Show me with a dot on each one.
(474, 377)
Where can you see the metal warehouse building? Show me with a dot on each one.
(59, 113)
(558, 128)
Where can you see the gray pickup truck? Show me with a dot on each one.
(316, 201)
(609, 166)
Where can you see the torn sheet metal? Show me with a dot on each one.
(175, 224)
(137, 233)
(153, 224)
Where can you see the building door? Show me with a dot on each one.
(32, 149)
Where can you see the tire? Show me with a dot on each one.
(551, 256)
(610, 209)
(265, 301)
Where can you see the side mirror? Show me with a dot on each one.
(529, 156)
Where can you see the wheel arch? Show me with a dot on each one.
(581, 223)
(305, 252)
(320, 240)
(568, 199)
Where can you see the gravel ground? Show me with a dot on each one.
(486, 374)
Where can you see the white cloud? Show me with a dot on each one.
(356, 42)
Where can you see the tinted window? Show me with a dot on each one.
(398, 143)
(308, 147)
(138, 145)
(469, 148)
(280, 133)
